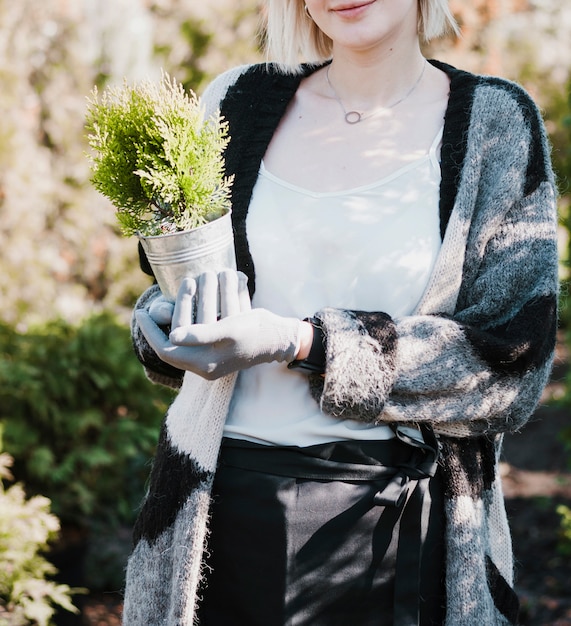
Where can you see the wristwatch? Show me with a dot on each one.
(315, 360)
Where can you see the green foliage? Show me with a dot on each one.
(558, 116)
(564, 545)
(155, 157)
(560, 113)
(565, 434)
(197, 37)
(27, 596)
(80, 417)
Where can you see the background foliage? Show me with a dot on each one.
(79, 416)
(26, 526)
(53, 52)
(61, 251)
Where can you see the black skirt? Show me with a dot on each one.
(347, 533)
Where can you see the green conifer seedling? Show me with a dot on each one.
(156, 158)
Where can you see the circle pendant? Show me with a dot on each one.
(352, 117)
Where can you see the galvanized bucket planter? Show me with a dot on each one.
(190, 253)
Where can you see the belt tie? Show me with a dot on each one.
(407, 490)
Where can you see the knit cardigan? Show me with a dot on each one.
(471, 361)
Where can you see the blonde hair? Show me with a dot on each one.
(291, 35)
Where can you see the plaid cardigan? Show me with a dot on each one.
(471, 361)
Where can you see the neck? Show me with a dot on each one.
(377, 80)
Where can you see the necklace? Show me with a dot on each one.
(354, 117)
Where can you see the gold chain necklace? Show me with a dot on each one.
(354, 117)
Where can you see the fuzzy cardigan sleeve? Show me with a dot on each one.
(157, 371)
(480, 365)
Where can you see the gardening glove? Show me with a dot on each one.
(241, 338)
(161, 311)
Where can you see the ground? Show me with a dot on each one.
(536, 475)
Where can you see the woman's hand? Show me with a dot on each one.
(212, 348)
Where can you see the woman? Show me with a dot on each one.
(405, 211)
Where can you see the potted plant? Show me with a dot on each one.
(160, 163)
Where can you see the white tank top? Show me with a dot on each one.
(371, 248)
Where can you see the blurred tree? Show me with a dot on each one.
(195, 41)
(61, 253)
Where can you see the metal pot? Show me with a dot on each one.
(190, 253)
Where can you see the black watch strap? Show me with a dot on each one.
(315, 361)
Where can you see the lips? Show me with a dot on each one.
(353, 7)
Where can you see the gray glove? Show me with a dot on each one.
(161, 310)
(243, 337)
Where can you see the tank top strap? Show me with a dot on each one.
(434, 152)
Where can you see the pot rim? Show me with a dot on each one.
(190, 230)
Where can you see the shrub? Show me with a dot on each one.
(564, 543)
(80, 417)
(27, 596)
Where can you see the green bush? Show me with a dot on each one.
(27, 596)
(80, 418)
(564, 543)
